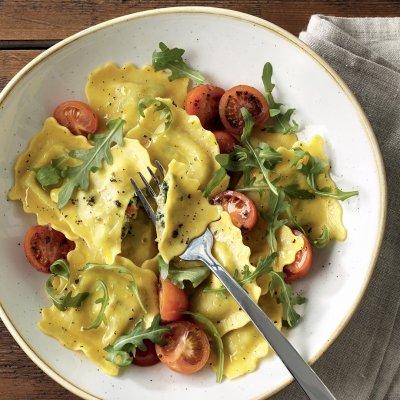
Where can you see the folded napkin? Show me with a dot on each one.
(364, 361)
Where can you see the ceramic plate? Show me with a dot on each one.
(229, 48)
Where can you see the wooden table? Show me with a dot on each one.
(29, 27)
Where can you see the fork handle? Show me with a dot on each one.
(301, 371)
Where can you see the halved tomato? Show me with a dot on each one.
(236, 98)
(226, 141)
(78, 117)
(187, 348)
(148, 357)
(203, 101)
(44, 245)
(173, 301)
(302, 263)
(241, 209)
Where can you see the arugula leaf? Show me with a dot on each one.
(48, 176)
(264, 266)
(261, 188)
(283, 123)
(311, 167)
(248, 157)
(284, 294)
(194, 275)
(278, 286)
(71, 301)
(104, 301)
(120, 352)
(51, 175)
(172, 59)
(78, 176)
(163, 267)
(178, 276)
(217, 342)
(268, 85)
(214, 182)
(281, 120)
(118, 357)
(277, 205)
(132, 286)
(322, 240)
(62, 299)
(60, 268)
(165, 116)
(262, 156)
(294, 191)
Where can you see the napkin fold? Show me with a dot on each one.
(364, 361)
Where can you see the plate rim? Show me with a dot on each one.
(223, 12)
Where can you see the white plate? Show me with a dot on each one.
(229, 48)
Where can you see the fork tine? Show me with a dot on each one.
(145, 203)
(153, 175)
(160, 168)
(148, 187)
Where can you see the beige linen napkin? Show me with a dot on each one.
(364, 362)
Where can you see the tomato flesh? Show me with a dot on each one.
(236, 98)
(173, 301)
(203, 101)
(226, 141)
(148, 357)
(302, 263)
(187, 348)
(78, 117)
(241, 209)
(44, 245)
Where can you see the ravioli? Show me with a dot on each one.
(121, 314)
(52, 142)
(316, 213)
(139, 245)
(245, 347)
(311, 214)
(183, 214)
(185, 141)
(115, 92)
(95, 215)
(288, 245)
(229, 250)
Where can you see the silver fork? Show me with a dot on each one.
(199, 249)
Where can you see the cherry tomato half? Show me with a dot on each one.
(203, 101)
(302, 262)
(148, 357)
(187, 348)
(236, 98)
(78, 117)
(44, 245)
(173, 301)
(226, 141)
(241, 209)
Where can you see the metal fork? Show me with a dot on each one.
(199, 249)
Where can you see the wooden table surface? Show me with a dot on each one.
(29, 27)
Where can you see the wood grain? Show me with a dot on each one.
(24, 23)
(11, 61)
(20, 378)
(42, 20)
